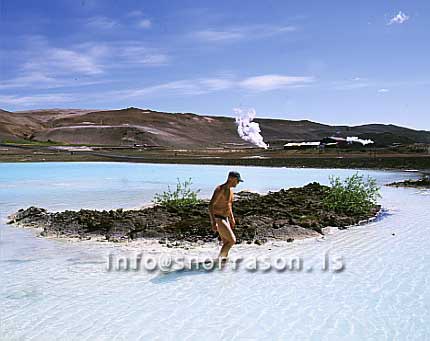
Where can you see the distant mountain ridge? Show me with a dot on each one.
(131, 126)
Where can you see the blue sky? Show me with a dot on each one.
(337, 62)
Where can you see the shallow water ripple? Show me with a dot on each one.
(52, 290)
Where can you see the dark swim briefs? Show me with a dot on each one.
(220, 216)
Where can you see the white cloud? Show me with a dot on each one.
(379, 86)
(101, 22)
(123, 54)
(399, 18)
(135, 13)
(216, 84)
(30, 79)
(60, 61)
(208, 85)
(181, 87)
(35, 100)
(105, 23)
(45, 66)
(354, 83)
(134, 53)
(240, 33)
(144, 23)
(273, 82)
(185, 87)
(43, 58)
(214, 36)
(38, 80)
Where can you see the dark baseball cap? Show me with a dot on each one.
(236, 175)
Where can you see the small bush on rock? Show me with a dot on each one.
(354, 195)
(182, 196)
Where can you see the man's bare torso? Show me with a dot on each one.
(223, 203)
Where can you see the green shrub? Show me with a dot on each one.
(354, 195)
(182, 196)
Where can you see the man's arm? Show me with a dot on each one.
(230, 210)
(215, 197)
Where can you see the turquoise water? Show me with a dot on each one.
(54, 290)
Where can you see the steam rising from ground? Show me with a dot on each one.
(248, 130)
(356, 139)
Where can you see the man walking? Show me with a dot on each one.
(221, 213)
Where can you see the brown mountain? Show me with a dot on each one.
(140, 126)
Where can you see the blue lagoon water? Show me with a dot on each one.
(57, 290)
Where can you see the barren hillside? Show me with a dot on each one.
(130, 126)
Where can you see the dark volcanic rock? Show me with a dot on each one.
(290, 214)
(424, 182)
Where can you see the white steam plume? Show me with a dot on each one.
(248, 130)
(356, 139)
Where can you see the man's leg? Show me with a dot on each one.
(227, 236)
